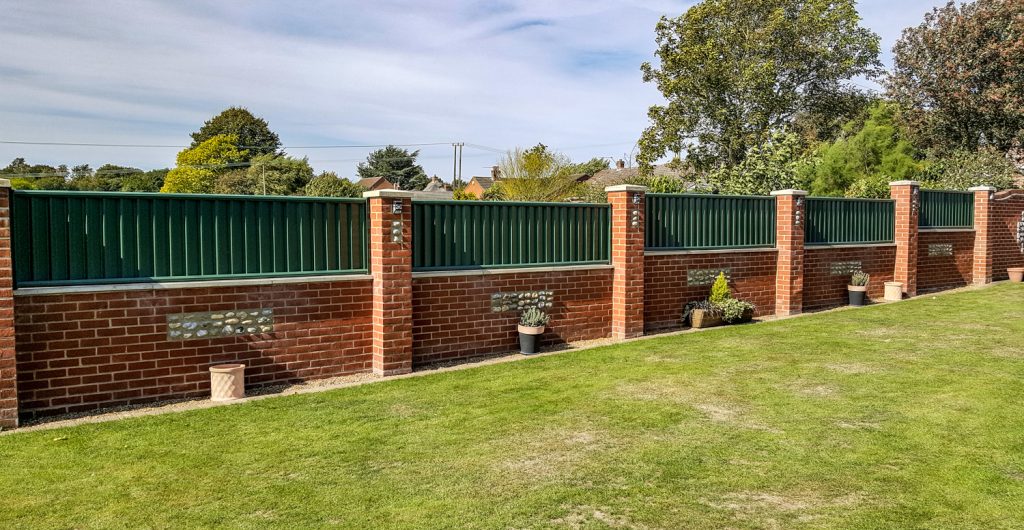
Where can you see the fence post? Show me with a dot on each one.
(907, 194)
(390, 214)
(982, 270)
(8, 363)
(789, 243)
(628, 211)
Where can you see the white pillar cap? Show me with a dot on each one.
(905, 183)
(776, 193)
(982, 188)
(395, 194)
(625, 187)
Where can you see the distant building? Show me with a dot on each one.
(437, 185)
(479, 185)
(374, 184)
(620, 174)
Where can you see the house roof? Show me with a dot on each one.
(374, 183)
(483, 182)
(614, 176)
(436, 184)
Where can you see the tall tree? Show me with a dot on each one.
(959, 76)
(267, 175)
(734, 71)
(198, 167)
(329, 184)
(27, 176)
(535, 174)
(778, 164)
(253, 134)
(397, 165)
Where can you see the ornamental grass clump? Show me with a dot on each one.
(533, 318)
(860, 279)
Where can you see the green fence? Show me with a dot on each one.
(62, 238)
(849, 221)
(946, 209)
(681, 222)
(473, 234)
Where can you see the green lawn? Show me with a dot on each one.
(901, 415)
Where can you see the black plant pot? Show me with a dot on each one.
(857, 297)
(528, 341)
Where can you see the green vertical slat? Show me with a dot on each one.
(76, 239)
(58, 236)
(144, 237)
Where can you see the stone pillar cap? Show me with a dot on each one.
(905, 183)
(4, 183)
(397, 194)
(982, 188)
(788, 192)
(625, 187)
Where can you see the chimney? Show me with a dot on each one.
(495, 172)
(620, 164)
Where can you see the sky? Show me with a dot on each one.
(491, 74)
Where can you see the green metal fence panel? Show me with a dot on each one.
(67, 238)
(700, 222)
(849, 221)
(451, 235)
(946, 209)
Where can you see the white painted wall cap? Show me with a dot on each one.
(982, 188)
(788, 192)
(625, 187)
(905, 183)
(396, 194)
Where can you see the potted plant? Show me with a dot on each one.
(702, 314)
(858, 287)
(531, 326)
(1016, 274)
(736, 311)
(720, 308)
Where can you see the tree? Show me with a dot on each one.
(397, 165)
(25, 176)
(148, 181)
(776, 165)
(535, 174)
(329, 184)
(253, 135)
(958, 74)
(267, 175)
(733, 72)
(871, 154)
(589, 167)
(198, 167)
(961, 170)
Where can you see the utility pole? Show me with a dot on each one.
(457, 163)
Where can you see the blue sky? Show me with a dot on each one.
(496, 74)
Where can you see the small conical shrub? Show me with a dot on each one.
(720, 290)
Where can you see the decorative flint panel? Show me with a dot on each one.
(706, 276)
(520, 301)
(845, 268)
(940, 249)
(214, 324)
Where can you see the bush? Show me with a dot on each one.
(733, 310)
(720, 290)
(964, 169)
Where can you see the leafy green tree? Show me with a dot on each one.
(732, 72)
(871, 154)
(199, 167)
(961, 170)
(589, 167)
(25, 176)
(535, 174)
(397, 165)
(253, 135)
(329, 184)
(148, 181)
(777, 165)
(959, 76)
(267, 175)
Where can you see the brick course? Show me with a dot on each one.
(89, 350)
(1007, 209)
(935, 273)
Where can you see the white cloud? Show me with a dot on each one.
(491, 73)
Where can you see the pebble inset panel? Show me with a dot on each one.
(212, 324)
(521, 301)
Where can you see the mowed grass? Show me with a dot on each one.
(901, 415)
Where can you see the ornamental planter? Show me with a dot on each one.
(893, 291)
(1016, 274)
(227, 382)
(700, 319)
(857, 294)
(748, 315)
(529, 336)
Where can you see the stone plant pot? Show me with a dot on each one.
(227, 382)
(700, 319)
(857, 294)
(1016, 274)
(529, 337)
(893, 291)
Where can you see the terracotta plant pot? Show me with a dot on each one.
(1016, 274)
(857, 294)
(529, 336)
(700, 319)
(227, 382)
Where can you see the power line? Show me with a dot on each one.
(159, 146)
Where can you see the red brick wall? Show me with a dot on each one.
(8, 379)
(452, 315)
(83, 351)
(935, 273)
(666, 289)
(1008, 206)
(822, 289)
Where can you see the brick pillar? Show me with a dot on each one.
(391, 267)
(628, 210)
(907, 195)
(789, 243)
(982, 270)
(8, 366)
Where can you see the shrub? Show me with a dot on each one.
(860, 279)
(720, 290)
(733, 310)
(533, 317)
(703, 305)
